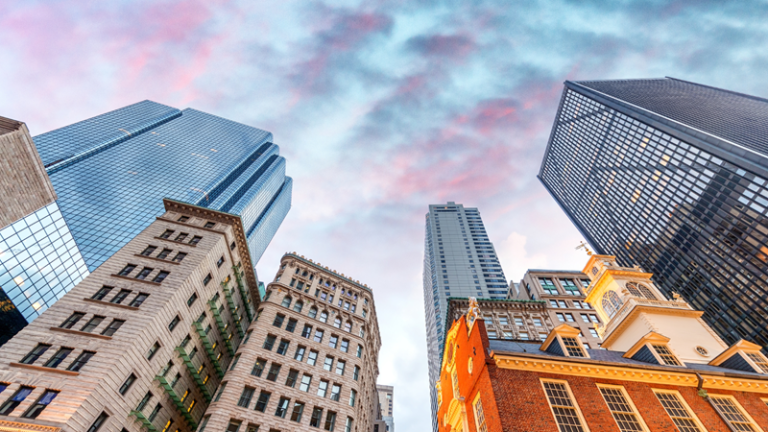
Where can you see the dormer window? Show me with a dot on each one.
(666, 355)
(564, 340)
(744, 356)
(759, 360)
(653, 348)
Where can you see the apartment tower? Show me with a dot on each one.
(144, 341)
(673, 176)
(459, 261)
(386, 401)
(311, 360)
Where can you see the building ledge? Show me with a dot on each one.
(136, 280)
(81, 333)
(174, 241)
(106, 303)
(13, 426)
(43, 369)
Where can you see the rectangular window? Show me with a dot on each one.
(553, 303)
(166, 234)
(274, 371)
(245, 397)
(479, 415)
(220, 262)
(138, 300)
(127, 384)
(103, 291)
(291, 326)
(352, 397)
(293, 376)
(344, 345)
(622, 409)
(195, 240)
(340, 365)
(537, 322)
(18, 397)
(278, 322)
(160, 277)
(192, 299)
(144, 273)
(759, 361)
(333, 341)
(319, 335)
(307, 332)
(564, 408)
(348, 425)
(221, 390)
(112, 327)
(57, 358)
(35, 354)
(569, 317)
(299, 355)
(282, 349)
(209, 225)
(593, 332)
(144, 401)
(181, 237)
(174, 322)
(560, 317)
(179, 257)
(328, 365)
(148, 251)
(72, 320)
(667, 357)
(733, 413)
(261, 404)
(233, 426)
(330, 421)
(322, 388)
(80, 361)
(269, 342)
(119, 297)
(312, 358)
(572, 346)
(585, 318)
(207, 279)
(164, 253)
(359, 351)
(679, 411)
(152, 351)
(282, 407)
(317, 415)
(356, 373)
(298, 409)
(306, 381)
(127, 270)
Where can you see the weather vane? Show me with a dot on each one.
(584, 246)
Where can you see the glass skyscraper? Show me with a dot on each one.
(459, 261)
(673, 176)
(111, 173)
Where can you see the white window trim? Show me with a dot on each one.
(685, 404)
(739, 407)
(570, 396)
(629, 400)
(475, 402)
(752, 362)
(658, 356)
(565, 349)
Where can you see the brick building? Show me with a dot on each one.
(143, 342)
(507, 319)
(311, 360)
(661, 368)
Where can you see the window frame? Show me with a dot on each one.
(629, 400)
(477, 401)
(682, 401)
(583, 422)
(738, 406)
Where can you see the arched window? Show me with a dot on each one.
(611, 303)
(337, 322)
(286, 301)
(298, 306)
(640, 290)
(348, 326)
(324, 316)
(313, 312)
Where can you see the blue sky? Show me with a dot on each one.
(381, 108)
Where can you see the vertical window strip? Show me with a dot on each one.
(678, 412)
(455, 383)
(622, 411)
(564, 409)
(733, 414)
(479, 415)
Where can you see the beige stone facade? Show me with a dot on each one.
(565, 297)
(24, 185)
(300, 369)
(142, 348)
(507, 319)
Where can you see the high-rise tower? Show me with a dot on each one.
(459, 261)
(112, 171)
(673, 176)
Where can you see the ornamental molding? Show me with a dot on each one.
(649, 376)
(10, 426)
(636, 312)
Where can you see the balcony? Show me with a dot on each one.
(192, 371)
(243, 292)
(232, 308)
(209, 349)
(221, 327)
(144, 421)
(629, 305)
(177, 402)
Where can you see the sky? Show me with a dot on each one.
(380, 108)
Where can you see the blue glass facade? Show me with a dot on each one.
(112, 171)
(39, 263)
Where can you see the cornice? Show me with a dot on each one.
(638, 309)
(326, 269)
(614, 371)
(12, 426)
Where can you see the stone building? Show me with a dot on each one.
(507, 319)
(143, 342)
(385, 406)
(311, 360)
(565, 296)
(661, 368)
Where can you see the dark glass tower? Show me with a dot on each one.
(459, 261)
(671, 175)
(111, 173)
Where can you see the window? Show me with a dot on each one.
(174, 322)
(72, 320)
(298, 409)
(220, 262)
(611, 303)
(759, 361)
(286, 302)
(144, 273)
(247, 336)
(733, 413)
(234, 426)
(278, 322)
(306, 381)
(99, 420)
(166, 234)
(209, 225)
(33, 355)
(348, 326)
(126, 270)
(328, 365)
(594, 319)
(283, 347)
(667, 357)
(572, 346)
(221, 390)
(163, 254)
(11, 404)
(585, 318)
(340, 365)
(57, 358)
(195, 240)
(564, 408)
(148, 251)
(245, 397)
(119, 297)
(356, 373)
(261, 404)
(317, 415)
(593, 332)
(192, 300)
(293, 376)
(335, 392)
(298, 306)
(570, 287)
(112, 327)
(548, 286)
(282, 407)
(307, 332)
(560, 317)
(103, 291)
(569, 317)
(324, 316)
(330, 421)
(337, 322)
(344, 345)
(207, 279)
(479, 415)
(291, 326)
(537, 322)
(577, 304)
(313, 312)
(299, 354)
(179, 257)
(269, 342)
(232, 246)
(144, 401)
(553, 303)
(127, 384)
(333, 341)
(139, 299)
(319, 335)
(562, 303)
(274, 371)
(168, 425)
(640, 290)
(679, 411)
(352, 397)
(348, 425)
(312, 358)
(322, 389)
(160, 277)
(80, 361)
(622, 409)
(359, 351)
